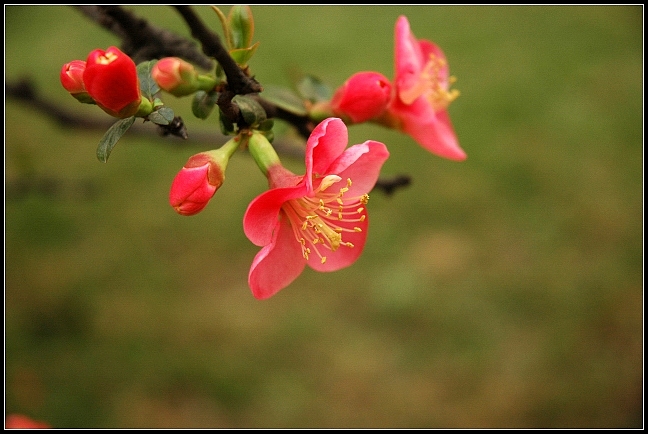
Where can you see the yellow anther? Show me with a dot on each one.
(357, 229)
(323, 259)
(328, 181)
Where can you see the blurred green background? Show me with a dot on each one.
(503, 291)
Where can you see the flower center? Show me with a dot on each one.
(320, 221)
(107, 58)
(432, 86)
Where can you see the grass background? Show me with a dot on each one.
(503, 291)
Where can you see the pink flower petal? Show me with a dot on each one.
(325, 144)
(360, 163)
(262, 214)
(278, 264)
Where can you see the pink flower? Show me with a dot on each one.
(110, 77)
(320, 218)
(362, 97)
(422, 95)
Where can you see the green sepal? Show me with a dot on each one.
(313, 89)
(112, 136)
(203, 103)
(148, 86)
(243, 55)
(266, 125)
(252, 112)
(162, 116)
(284, 98)
(241, 26)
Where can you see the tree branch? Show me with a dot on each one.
(237, 81)
(141, 40)
(24, 91)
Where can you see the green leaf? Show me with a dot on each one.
(243, 55)
(109, 140)
(148, 86)
(241, 26)
(313, 89)
(253, 113)
(203, 104)
(284, 98)
(223, 20)
(162, 116)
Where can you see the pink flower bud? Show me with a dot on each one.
(362, 97)
(175, 76)
(199, 179)
(195, 184)
(110, 77)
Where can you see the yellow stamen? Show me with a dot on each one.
(312, 218)
(431, 86)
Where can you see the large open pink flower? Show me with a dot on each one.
(320, 218)
(422, 94)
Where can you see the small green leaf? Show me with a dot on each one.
(243, 55)
(241, 26)
(313, 89)
(284, 98)
(162, 116)
(252, 112)
(203, 103)
(148, 86)
(223, 20)
(109, 140)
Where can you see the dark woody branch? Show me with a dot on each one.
(141, 40)
(25, 91)
(237, 81)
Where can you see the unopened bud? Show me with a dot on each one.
(362, 97)
(200, 178)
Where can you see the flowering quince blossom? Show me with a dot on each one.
(362, 97)
(19, 421)
(110, 78)
(421, 94)
(175, 76)
(72, 80)
(199, 179)
(320, 218)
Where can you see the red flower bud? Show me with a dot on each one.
(72, 80)
(110, 78)
(362, 97)
(72, 76)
